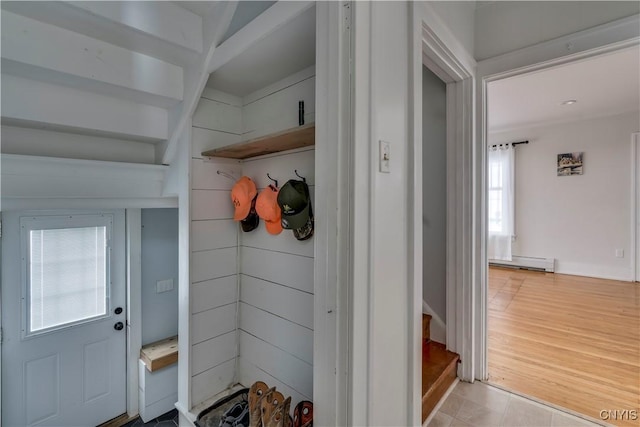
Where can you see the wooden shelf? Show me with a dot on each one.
(298, 137)
(160, 354)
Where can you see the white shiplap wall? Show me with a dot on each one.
(271, 339)
(276, 291)
(214, 250)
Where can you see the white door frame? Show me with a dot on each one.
(635, 202)
(603, 39)
(331, 336)
(433, 47)
(133, 256)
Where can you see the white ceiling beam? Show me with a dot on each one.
(215, 25)
(37, 104)
(274, 17)
(45, 52)
(159, 29)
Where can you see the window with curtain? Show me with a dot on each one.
(500, 201)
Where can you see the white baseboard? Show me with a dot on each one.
(438, 330)
(546, 264)
(594, 270)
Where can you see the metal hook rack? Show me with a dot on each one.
(298, 175)
(226, 175)
(274, 180)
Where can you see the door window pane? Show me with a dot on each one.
(68, 276)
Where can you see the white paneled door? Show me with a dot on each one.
(63, 318)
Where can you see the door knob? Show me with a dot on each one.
(118, 310)
(118, 326)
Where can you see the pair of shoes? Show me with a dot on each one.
(303, 414)
(275, 410)
(268, 407)
(257, 392)
(236, 416)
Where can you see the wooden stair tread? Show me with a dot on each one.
(439, 367)
(160, 354)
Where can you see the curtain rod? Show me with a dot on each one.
(513, 144)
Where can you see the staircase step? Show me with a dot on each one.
(439, 370)
(426, 327)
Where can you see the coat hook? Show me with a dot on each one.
(274, 180)
(302, 178)
(226, 175)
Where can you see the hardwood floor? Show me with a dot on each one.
(567, 340)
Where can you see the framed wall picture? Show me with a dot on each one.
(570, 164)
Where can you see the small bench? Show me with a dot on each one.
(160, 354)
(158, 378)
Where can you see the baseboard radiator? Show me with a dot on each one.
(527, 263)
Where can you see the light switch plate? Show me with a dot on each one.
(164, 286)
(385, 156)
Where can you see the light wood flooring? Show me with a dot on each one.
(568, 340)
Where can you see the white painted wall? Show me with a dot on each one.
(277, 291)
(157, 391)
(159, 262)
(434, 192)
(384, 318)
(578, 220)
(381, 337)
(214, 248)
(275, 107)
(222, 119)
(505, 26)
(214, 286)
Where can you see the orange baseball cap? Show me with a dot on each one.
(242, 194)
(269, 210)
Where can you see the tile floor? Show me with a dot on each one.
(480, 405)
(170, 419)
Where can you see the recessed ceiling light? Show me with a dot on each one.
(569, 102)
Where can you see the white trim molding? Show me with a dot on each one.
(332, 234)
(457, 70)
(611, 37)
(182, 167)
(635, 208)
(360, 329)
(414, 217)
(133, 227)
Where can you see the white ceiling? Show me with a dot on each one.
(285, 51)
(604, 85)
(201, 8)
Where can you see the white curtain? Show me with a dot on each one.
(500, 213)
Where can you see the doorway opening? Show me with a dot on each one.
(560, 293)
(440, 197)
(439, 366)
